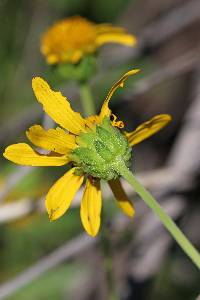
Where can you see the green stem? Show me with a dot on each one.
(87, 100)
(165, 219)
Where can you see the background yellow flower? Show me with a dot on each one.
(70, 39)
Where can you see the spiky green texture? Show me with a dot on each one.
(101, 150)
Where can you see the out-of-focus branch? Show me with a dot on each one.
(185, 156)
(172, 69)
(15, 125)
(13, 211)
(13, 179)
(158, 180)
(71, 250)
(148, 234)
(144, 266)
(65, 252)
(92, 284)
(175, 21)
(157, 32)
(20, 171)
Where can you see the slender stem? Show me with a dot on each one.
(165, 219)
(87, 100)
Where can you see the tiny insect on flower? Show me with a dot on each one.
(71, 39)
(95, 146)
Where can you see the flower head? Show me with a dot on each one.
(70, 39)
(95, 146)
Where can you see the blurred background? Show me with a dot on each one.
(43, 260)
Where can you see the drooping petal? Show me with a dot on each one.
(121, 197)
(147, 129)
(57, 106)
(56, 140)
(91, 207)
(23, 154)
(62, 193)
(105, 111)
(115, 37)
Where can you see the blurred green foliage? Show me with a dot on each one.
(59, 282)
(97, 10)
(13, 16)
(25, 241)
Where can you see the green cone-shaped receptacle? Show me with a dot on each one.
(101, 150)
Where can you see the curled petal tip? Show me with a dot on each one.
(169, 118)
(134, 71)
(38, 80)
(35, 78)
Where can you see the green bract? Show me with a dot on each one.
(101, 150)
(80, 72)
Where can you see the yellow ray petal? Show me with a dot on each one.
(105, 111)
(91, 207)
(147, 129)
(62, 193)
(108, 28)
(57, 106)
(56, 140)
(115, 37)
(122, 199)
(91, 121)
(76, 56)
(52, 59)
(94, 119)
(23, 154)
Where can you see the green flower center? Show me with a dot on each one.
(101, 150)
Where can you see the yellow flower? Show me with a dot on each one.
(70, 39)
(94, 146)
